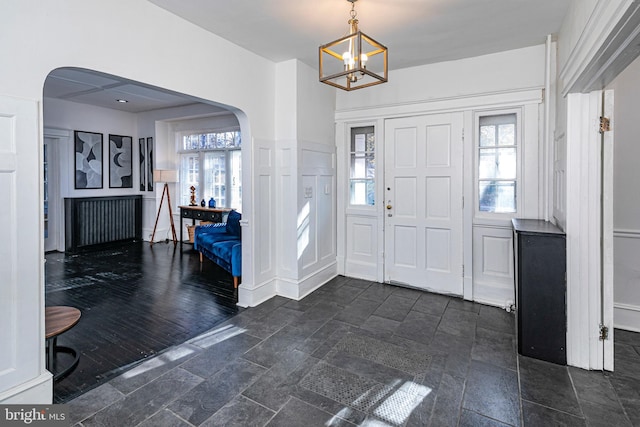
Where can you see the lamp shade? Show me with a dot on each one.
(165, 175)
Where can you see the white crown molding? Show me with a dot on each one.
(611, 28)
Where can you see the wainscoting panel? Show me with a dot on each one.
(626, 288)
(493, 281)
(362, 247)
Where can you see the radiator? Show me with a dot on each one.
(91, 221)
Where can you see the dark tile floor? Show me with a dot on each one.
(361, 353)
(136, 301)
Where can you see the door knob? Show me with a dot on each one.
(389, 206)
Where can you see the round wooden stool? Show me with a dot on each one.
(59, 319)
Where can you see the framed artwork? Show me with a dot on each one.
(88, 159)
(120, 162)
(149, 164)
(143, 168)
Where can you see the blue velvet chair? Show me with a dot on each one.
(222, 244)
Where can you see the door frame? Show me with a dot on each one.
(62, 138)
(605, 48)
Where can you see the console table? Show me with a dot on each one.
(201, 214)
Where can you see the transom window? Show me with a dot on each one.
(211, 162)
(497, 164)
(362, 177)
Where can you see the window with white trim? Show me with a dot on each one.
(211, 162)
(362, 169)
(498, 163)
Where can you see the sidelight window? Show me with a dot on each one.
(497, 163)
(362, 176)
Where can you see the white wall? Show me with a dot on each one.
(626, 198)
(141, 42)
(72, 116)
(495, 73)
(304, 166)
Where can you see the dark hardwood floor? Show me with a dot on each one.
(136, 301)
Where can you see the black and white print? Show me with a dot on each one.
(88, 159)
(120, 162)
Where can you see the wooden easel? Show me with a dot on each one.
(173, 227)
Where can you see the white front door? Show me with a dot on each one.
(423, 202)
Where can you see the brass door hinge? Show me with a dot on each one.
(605, 124)
(604, 332)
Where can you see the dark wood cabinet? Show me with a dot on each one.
(540, 263)
(202, 214)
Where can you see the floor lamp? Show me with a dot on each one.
(166, 176)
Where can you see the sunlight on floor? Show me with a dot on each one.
(398, 407)
(215, 336)
(394, 407)
(169, 356)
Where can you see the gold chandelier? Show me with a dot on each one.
(355, 61)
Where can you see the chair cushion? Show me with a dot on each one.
(233, 223)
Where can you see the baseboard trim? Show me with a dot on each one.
(491, 294)
(626, 316)
(251, 297)
(38, 391)
(361, 270)
(297, 290)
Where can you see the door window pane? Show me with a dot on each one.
(362, 166)
(215, 177)
(235, 170)
(189, 176)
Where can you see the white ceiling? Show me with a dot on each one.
(416, 32)
(103, 90)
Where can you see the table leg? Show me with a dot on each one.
(51, 352)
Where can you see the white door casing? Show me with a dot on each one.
(52, 191)
(22, 373)
(423, 202)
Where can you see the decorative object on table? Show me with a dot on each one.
(149, 164)
(203, 203)
(212, 202)
(354, 61)
(192, 200)
(88, 159)
(166, 176)
(120, 162)
(143, 169)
